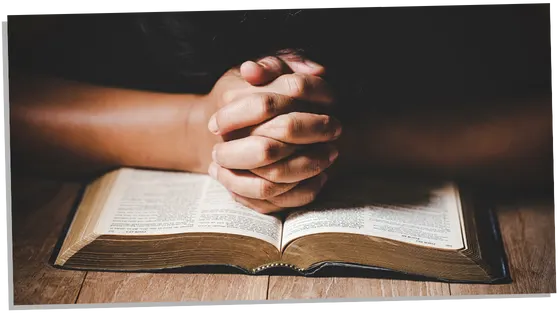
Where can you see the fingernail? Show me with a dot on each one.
(213, 125)
(333, 156)
(337, 132)
(213, 170)
(324, 178)
(311, 64)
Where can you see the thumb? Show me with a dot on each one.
(264, 70)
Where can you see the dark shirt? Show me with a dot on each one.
(383, 57)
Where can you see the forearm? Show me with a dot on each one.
(73, 129)
(491, 143)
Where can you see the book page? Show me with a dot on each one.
(152, 202)
(429, 216)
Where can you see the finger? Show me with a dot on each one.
(252, 110)
(258, 108)
(301, 166)
(261, 206)
(264, 70)
(251, 152)
(302, 194)
(246, 184)
(300, 64)
(296, 85)
(301, 86)
(269, 68)
(300, 128)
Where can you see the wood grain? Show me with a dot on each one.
(324, 288)
(101, 287)
(39, 212)
(528, 235)
(40, 209)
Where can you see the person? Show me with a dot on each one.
(268, 120)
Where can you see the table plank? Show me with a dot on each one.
(324, 288)
(104, 287)
(39, 211)
(528, 235)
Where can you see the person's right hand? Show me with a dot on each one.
(280, 147)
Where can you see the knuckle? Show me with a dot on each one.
(291, 126)
(269, 150)
(296, 84)
(312, 166)
(266, 103)
(309, 196)
(327, 126)
(326, 121)
(266, 189)
(273, 174)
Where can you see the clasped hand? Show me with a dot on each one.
(277, 135)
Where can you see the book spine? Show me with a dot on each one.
(278, 264)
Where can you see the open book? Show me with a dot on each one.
(130, 220)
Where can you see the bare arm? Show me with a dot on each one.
(491, 143)
(61, 128)
(494, 139)
(66, 128)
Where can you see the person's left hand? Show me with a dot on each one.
(280, 159)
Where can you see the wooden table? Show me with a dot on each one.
(40, 209)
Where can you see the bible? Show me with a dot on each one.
(146, 220)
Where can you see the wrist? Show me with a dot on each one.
(172, 135)
(200, 141)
